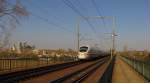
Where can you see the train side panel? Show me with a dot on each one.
(87, 52)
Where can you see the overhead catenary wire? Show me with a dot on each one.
(69, 4)
(80, 5)
(98, 11)
(46, 11)
(47, 20)
(51, 23)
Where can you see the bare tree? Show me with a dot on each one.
(9, 18)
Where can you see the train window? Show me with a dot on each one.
(83, 49)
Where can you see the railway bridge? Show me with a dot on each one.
(119, 69)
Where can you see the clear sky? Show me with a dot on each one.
(44, 27)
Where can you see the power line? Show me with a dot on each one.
(46, 20)
(83, 9)
(69, 4)
(98, 11)
(50, 22)
(41, 9)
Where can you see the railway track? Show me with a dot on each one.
(53, 70)
(21, 75)
(80, 75)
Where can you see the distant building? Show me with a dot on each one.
(35, 51)
(15, 48)
(23, 47)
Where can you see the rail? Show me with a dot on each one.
(80, 75)
(24, 74)
(107, 76)
(141, 67)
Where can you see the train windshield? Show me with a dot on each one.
(83, 49)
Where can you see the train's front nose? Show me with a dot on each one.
(83, 52)
(82, 55)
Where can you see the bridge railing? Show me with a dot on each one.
(14, 64)
(142, 67)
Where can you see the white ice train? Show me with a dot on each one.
(87, 52)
